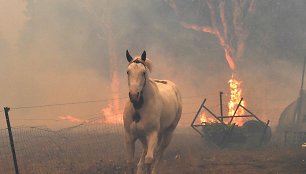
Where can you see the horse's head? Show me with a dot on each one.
(138, 74)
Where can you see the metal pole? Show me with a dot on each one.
(194, 119)
(6, 111)
(214, 115)
(221, 106)
(252, 114)
(196, 116)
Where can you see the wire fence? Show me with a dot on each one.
(73, 149)
(69, 150)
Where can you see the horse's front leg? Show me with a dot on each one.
(152, 140)
(130, 149)
(140, 165)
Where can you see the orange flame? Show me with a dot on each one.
(115, 92)
(111, 116)
(232, 40)
(112, 113)
(204, 119)
(71, 119)
(198, 28)
(229, 59)
(235, 97)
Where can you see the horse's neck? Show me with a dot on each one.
(149, 90)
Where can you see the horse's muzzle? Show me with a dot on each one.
(134, 97)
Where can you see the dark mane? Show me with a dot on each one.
(147, 63)
(161, 81)
(138, 61)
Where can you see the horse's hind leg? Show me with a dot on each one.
(166, 139)
(164, 142)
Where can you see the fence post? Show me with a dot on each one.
(6, 111)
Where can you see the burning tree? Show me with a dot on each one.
(103, 20)
(230, 30)
(228, 25)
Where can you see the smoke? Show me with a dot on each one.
(60, 51)
(12, 20)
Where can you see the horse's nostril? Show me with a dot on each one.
(134, 96)
(131, 96)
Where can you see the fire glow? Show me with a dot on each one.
(71, 119)
(111, 113)
(231, 33)
(235, 97)
(204, 119)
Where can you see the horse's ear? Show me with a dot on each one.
(144, 56)
(128, 56)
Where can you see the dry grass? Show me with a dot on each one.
(94, 153)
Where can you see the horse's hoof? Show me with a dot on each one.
(154, 171)
(140, 170)
(148, 169)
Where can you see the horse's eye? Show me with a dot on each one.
(127, 72)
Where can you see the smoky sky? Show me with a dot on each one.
(61, 52)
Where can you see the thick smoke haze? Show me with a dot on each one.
(58, 51)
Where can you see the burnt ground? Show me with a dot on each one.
(190, 154)
(94, 149)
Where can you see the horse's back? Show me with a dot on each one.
(168, 90)
(172, 103)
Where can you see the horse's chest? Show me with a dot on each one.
(138, 129)
(136, 117)
(142, 126)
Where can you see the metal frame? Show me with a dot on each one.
(221, 117)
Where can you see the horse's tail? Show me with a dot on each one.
(179, 101)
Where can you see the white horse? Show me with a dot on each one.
(151, 114)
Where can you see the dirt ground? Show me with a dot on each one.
(91, 150)
(189, 154)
